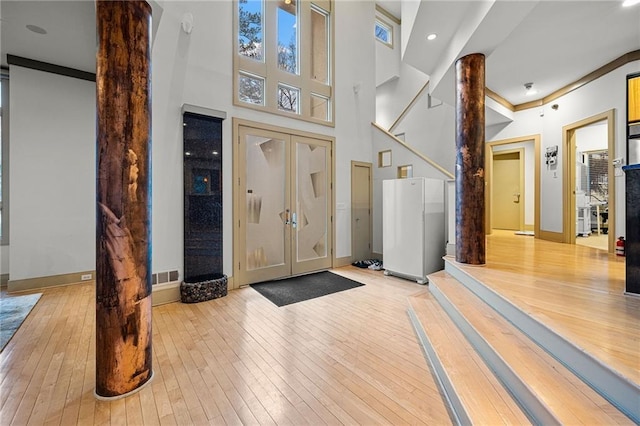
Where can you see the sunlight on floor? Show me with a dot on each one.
(596, 241)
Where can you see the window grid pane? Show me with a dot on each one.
(288, 98)
(251, 89)
(383, 32)
(319, 107)
(288, 37)
(250, 29)
(319, 46)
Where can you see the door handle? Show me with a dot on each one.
(287, 219)
(293, 220)
(516, 198)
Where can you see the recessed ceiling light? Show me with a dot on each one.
(36, 29)
(432, 36)
(629, 3)
(215, 152)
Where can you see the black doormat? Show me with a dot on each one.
(305, 287)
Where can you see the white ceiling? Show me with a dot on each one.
(550, 43)
(71, 32)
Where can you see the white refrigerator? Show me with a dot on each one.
(413, 227)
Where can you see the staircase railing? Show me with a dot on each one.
(432, 163)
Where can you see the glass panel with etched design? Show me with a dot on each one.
(311, 201)
(266, 202)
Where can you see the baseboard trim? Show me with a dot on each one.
(164, 293)
(556, 237)
(4, 279)
(28, 284)
(339, 262)
(451, 249)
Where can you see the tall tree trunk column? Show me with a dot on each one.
(470, 214)
(123, 212)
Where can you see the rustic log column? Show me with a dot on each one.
(123, 240)
(470, 215)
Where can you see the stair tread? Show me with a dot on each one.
(570, 399)
(468, 374)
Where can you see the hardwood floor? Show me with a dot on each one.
(347, 358)
(576, 291)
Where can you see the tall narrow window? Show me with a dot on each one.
(250, 29)
(319, 45)
(288, 36)
(283, 57)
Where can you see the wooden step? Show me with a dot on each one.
(544, 387)
(474, 394)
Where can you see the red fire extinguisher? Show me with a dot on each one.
(620, 246)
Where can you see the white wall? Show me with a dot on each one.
(592, 138)
(197, 69)
(431, 130)
(393, 96)
(605, 93)
(52, 181)
(355, 62)
(53, 139)
(388, 57)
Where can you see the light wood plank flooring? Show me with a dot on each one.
(576, 291)
(347, 358)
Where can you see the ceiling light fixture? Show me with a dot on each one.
(432, 36)
(530, 89)
(629, 3)
(36, 29)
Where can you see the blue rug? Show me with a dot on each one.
(13, 311)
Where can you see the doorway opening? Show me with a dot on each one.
(283, 203)
(361, 207)
(589, 184)
(512, 196)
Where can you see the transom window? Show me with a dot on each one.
(283, 57)
(384, 32)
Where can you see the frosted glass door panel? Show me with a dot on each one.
(311, 202)
(311, 205)
(265, 202)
